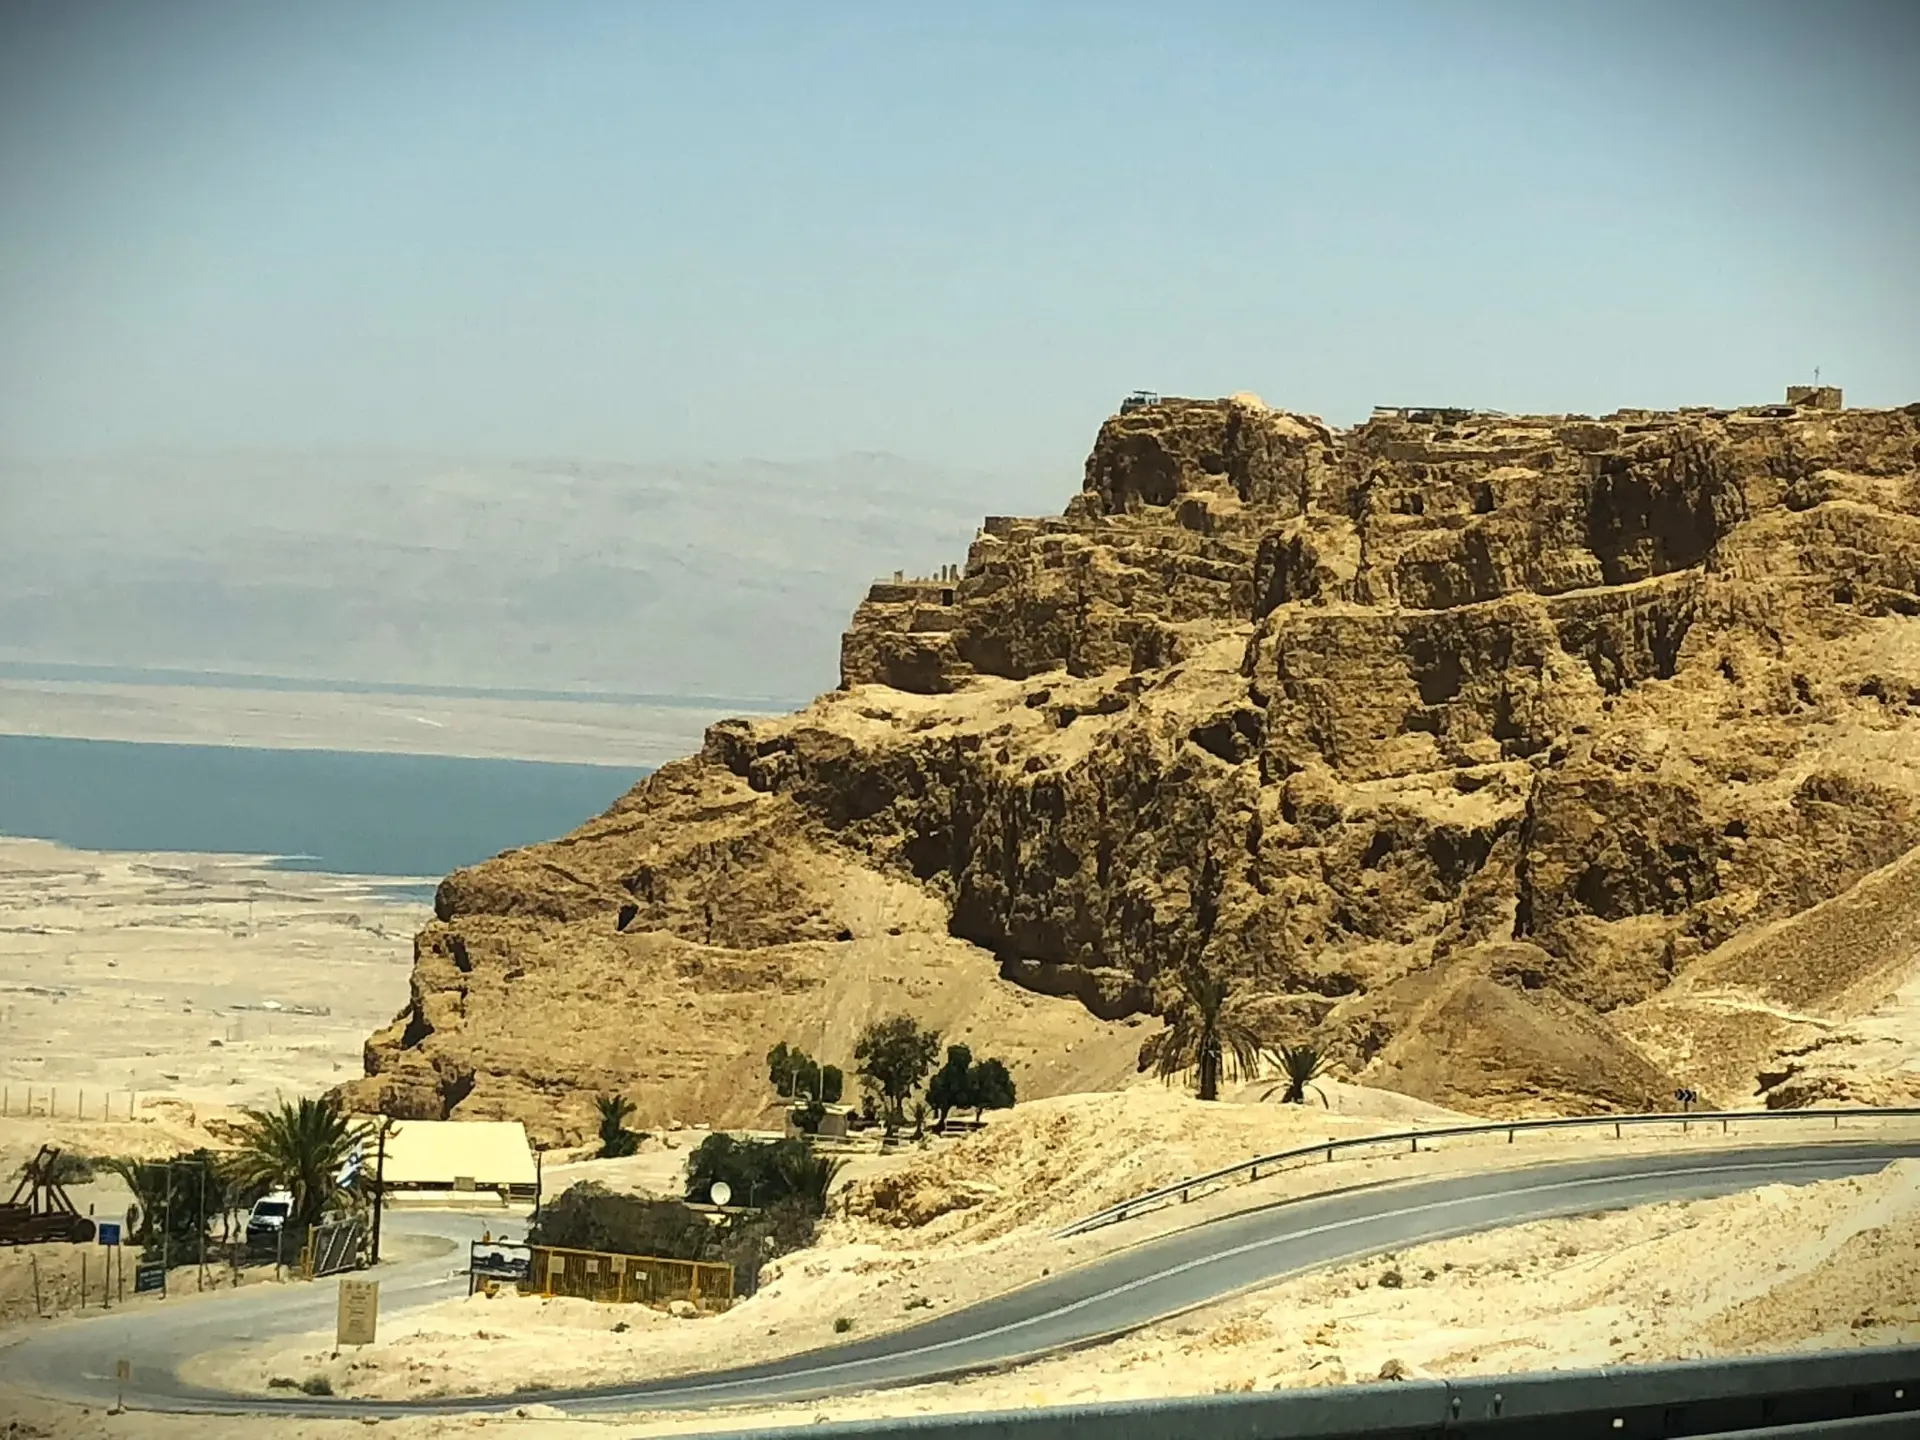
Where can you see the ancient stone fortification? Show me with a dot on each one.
(1457, 738)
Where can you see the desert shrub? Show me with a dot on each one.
(588, 1216)
(842, 1325)
(316, 1385)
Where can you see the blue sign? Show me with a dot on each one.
(109, 1232)
(149, 1277)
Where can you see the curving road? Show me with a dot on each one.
(1097, 1301)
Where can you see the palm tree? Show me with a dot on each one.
(1301, 1064)
(301, 1148)
(1203, 1036)
(615, 1139)
(809, 1175)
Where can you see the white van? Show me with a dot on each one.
(269, 1214)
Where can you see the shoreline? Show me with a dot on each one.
(627, 734)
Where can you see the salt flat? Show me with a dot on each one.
(211, 979)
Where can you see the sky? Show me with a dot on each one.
(957, 233)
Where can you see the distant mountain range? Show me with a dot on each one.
(729, 580)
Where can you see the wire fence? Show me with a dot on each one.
(68, 1102)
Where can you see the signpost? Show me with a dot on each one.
(108, 1234)
(359, 1312)
(149, 1276)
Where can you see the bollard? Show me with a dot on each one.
(1616, 1129)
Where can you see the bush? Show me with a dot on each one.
(72, 1169)
(591, 1217)
(842, 1325)
(833, 1084)
(778, 1230)
(316, 1385)
(760, 1172)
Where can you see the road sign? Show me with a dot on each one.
(123, 1370)
(151, 1276)
(359, 1312)
(109, 1233)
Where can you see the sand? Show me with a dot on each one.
(210, 979)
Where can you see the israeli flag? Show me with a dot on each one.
(351, 1169)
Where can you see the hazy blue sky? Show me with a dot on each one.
(958, 232)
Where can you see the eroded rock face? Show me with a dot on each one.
(1489, 724)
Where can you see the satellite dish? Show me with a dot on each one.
(721, 1193)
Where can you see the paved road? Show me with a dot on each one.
(1121, 1292)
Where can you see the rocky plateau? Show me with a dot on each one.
(1526, 763)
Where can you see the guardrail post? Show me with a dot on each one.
(1254, 1173)
(1616, 1129)
(1416, 1144)
(1509, 1137)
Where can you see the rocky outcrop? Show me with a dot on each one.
(1449, 737)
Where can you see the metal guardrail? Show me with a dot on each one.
(1867, 1392)
(1184, 1189)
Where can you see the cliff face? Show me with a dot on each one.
(1456, 737)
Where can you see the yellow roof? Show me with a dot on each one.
(437, 1152)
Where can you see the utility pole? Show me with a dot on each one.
(166, 1231)
(379, 1183)
(200, 1278)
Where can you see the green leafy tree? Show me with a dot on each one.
(301, 1147)
(796, 1075)
(615, 1139)
(896, 1055)
(760, 1173)
(949, 1089)
(1203, 1036)
(989, 1087)
(780, 1069)
(806, 1077)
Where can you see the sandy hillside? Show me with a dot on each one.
(211, 979)
(1821, 1266)
(1821, 1007)
(955, 1223)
